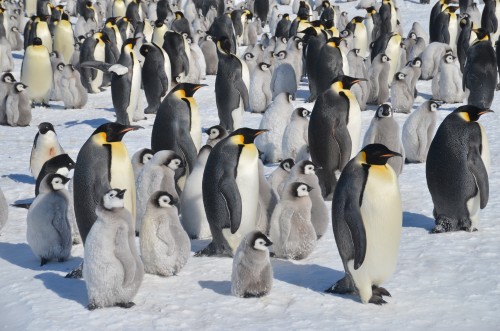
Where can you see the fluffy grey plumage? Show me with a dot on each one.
(295, 137)
(140, 158)
(418, 131)
(280, 174)
(378, 76)
(401, 96)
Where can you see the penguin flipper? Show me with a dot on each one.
(61, 224)
(166, 237)
(232, 199)
(355, 224)
(242, 89)
(124, 255)
(99, 65)
(476, 166)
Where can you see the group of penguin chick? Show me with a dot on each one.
(264, 79)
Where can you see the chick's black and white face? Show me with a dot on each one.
(20, 87)
(7, 78)
(384, 111)
(57, 183)
(175, 164)
(214, 133)
(146, 158)
(302, 190)
(309, 169)
(385, 58)
(417, 63)
(449, 58)
(434, 106)
(400, 76)
(164, 201)
(112, 199)
(260, 244)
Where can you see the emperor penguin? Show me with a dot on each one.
(260, 95)
(113, 270)
(447, 84)
(431, 58)
(209, 50)
(193, 216)
(261, 10)
(283, 26)
(36, 72)
(157, 68)
(275, 119)
(278, 177)
(401, 96)
(360, 35)
(330, 64)
(490, 17)
(445, 27)
(252, 274)
(64, 38)
(291, 231)
(156, 175)
(305, 172)
(230, 191)
(231, 87)
(45, 147)
(4, 210)
(295, 137)
(418, 131)
(390, 45)
(140, 158)
(61, 164)
(316, 39)
(215, 134)
(93, 49)
(388, 16)
(367, 219)
(372, 24)
(48, 222)
(334, 131)
(378, 77)
(464, 40)
(176, 47)
(384, 130)
(457, 170)
(480, 76)
(165, 246)
(73, 94)
(17, 106)
(159, 32)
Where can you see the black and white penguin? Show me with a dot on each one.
(93, 49)
(157, 69)
(175, 46)
(45, 147)
(61, 164)
(36, 72)
(329, 65)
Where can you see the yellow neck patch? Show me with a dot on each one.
(465, 116)
(238, 139)
(338, 86)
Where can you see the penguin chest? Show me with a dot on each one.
(453, 30)
(43, 32)
(392, 51)
(195, 131)
(99, 55)
(354, 123)
(382, 216)
(361, 39)
(135, 87)
(247, 180)
(369, 28)
(36, 72)
(122, 174)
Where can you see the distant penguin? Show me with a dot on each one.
(157, 68)
(480, 77)
(279, 176)
(261, 10)
(295, 137)
(457, 170)
(275, 119)
(48, 226)
(193, 216)
(175, 46)
(447, 84)
(252, 274)
(230, 191)
(418, 131)
(260, 95)
(384, 130)
(45, 147)
(36, 72)
(367, 219)
(445, 27)
(378, 76)
(329, 64)
(464, 40)
(64, 38)
(113, 270)
(4, 210)
(17, 106)
(209, 50)
(490, 17)
(61, 164)
(165, 246)
(231, 87)
(413, 70)
(140, 158)
(401, 96)
(283, 26)
(73, 94)
(93, 49)
(292, 232)
(215, 134)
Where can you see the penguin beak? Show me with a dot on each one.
(268, 243)
(391, 154)
(198, 86)
(131, 128)
(485, 111)
(260, 132)
(65, 180)
(120, 193)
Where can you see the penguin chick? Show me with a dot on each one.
(378, 76)
(418, 131)
(291, 230)
(48, 227)
(18, 105)
(73, 94)
(278, 177)
(215, 134)
(252, 274)
(113, 270)
(401, 96)
(165, 246)
(295, 137)
(448, 81)
(260, 95)
(384, 130)
(45, 147)
(140, 158)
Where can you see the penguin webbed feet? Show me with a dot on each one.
(43, 261)
(378, 300)
(92, 306)
(125, 305)
(380, 291)
(342, 286)
(447, 224)
(253, 295)
(212, 250)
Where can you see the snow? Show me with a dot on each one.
(442, 281)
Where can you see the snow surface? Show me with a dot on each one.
(442, 282)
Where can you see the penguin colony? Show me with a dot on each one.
(175, 189)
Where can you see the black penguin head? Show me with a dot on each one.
(113, 199)
(299, 190)
(111, 21)
(129, 44)
(384, 110)
(371, 10)
(19, 87)
(224, 45)
(345, 33)
(326, 4)
(179, 15)
(259, 241)
(64, 17)
(482, 35)
(287, 164)
(264, 66)
(146, 155)
(37, 41)
(308, 168)
(174, 162)
(471, 113)
(243, 136)
(464, 21)
(345, 82)
(104, 37)
(58, 162)
(186, 90)
(114, 132)
(334, 41)
(452, 9)
(412, 35)
(159, 23)
(146, 49)
(417, 62)
(302, 112)
(399, 76)
(449, 58)
(163, 199)
(286, 17)
(45, 127)
(358, 19)
(7, 77)
(376, 154)
(56, 181)
(433, 106)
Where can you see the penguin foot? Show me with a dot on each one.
(125, 305)
(43, 262)
(211, 250)
(76, 273)
(253, 295)
(93, 306)
(46, 105)
(378, 300)
(342, 286)
(380, 291)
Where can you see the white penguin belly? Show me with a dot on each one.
(63, 41)
(195, 125)
(43, 33)
(168, 70)
(99, 55)
(485, 152)
(237, 115)
(497, 14)
(123, 175)
(369, 29)
(361, 39)
(135, 88)
(382, 220)
(354, 125)
(248, 186)
(37, 73)
(392, 51)
(453, 30)
(345, 62)
(194, 219)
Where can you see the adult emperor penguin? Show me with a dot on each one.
(329, 64)
(176, 45)
(231, 86)
(252, 274)
(360, 35)
(230, 191)
(480, 75)
(45, 147)
(113, 269)
(36, 72)
(93, 49)
(418, 131)
(445, 29)
(490, 17)
(388, 17)
(390, 45)
(48, 226)
(334, 131)
(157, 69)
(367, 219)
(457, 170)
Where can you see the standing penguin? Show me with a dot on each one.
(209, 50)
(446, 85)
(390, 45)
(279, 176)
(457, 170)
(165, 246)
(36, 72)
(113, 269)
(252, 274)
(231, 87)
(464, 40)
(64, 38)
(291, 230)
(73, 94)
(378, 76)
(61, 164)
(176, 47)
(230, 191)
(367, 219)
(275, 119)
(45, 147)
(17, 106)
(194, 219)
(295, 137)
(401, 96)
(260, 95)
(384, 130)
(157, 69)
(93, 49)
(140, 158)
(418, 131)
(480, 75)
(334, 131)
(48, 226)
(329, 64)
